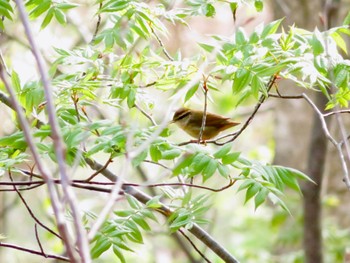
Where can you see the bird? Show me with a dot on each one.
(190, 121)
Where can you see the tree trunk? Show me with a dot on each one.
(312, 192)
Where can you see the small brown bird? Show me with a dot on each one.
(191, 122)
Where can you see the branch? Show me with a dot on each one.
(166, 53)
(204, 118)
(31, 212)
(194, 246)
(98, 22)
(32, 251)
(146, 114)
(196, 230)
(338, 146)
(56, 204)
(82, 241)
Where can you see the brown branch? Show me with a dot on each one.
(285, 96)
(160, 42)
(38, 239)
(336, 112)
(232, 182)
(98, 22)
(82, 241)
(56, 204)
(204, 118)
(196, 230)
(194, 246)
(99, 171)
(327, 133)
(146, 115)
(31, 212)
(32, 251)
(159, 164)
(251, 117)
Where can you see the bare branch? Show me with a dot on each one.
(335, 112)
(38, 239)
(98, 22)
(194, 246)
(160, 42)
(146, 114)
(144, 198)
(31, 212)
(32, 251)
(331, 139)
(56, 204)
(82, 241)
(204, 118)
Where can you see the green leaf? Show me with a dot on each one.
(47, 18)
(182, 165)
(271, 28)
(339, 41)
(16, 83)
(101, 245)
(230, 158)
(210, 169)
(191, 92)
(346, 21)
(132, 201)
(242, 79)
(6, 5)
(260, 197)
(259, 5)
(115, 6)
(251, 191)
(131, 98)
(117, 251)
(139, 158)
(223, 151)
(206, 47)
(66, 6)
(5, 12)
(171, 154)
(41, 8)
(210, 10)
(60, 16)
(317, 43)
(240, 37)
(223, 170)
(155, 153)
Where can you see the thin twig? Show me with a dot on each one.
(56, 204)
(2, 61)
(32, 251)
(82, 241)
(335, 112)
(98, 22)
(38, 239)
(285, 96)
(31, 212)
(245, 125)
(185, 184)
(194, 246)
(204, 117)
(338, 146)
(146, 114)
(160, 42)
(115, 193)
(323, 121)
(159, 164)
(99, 171)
